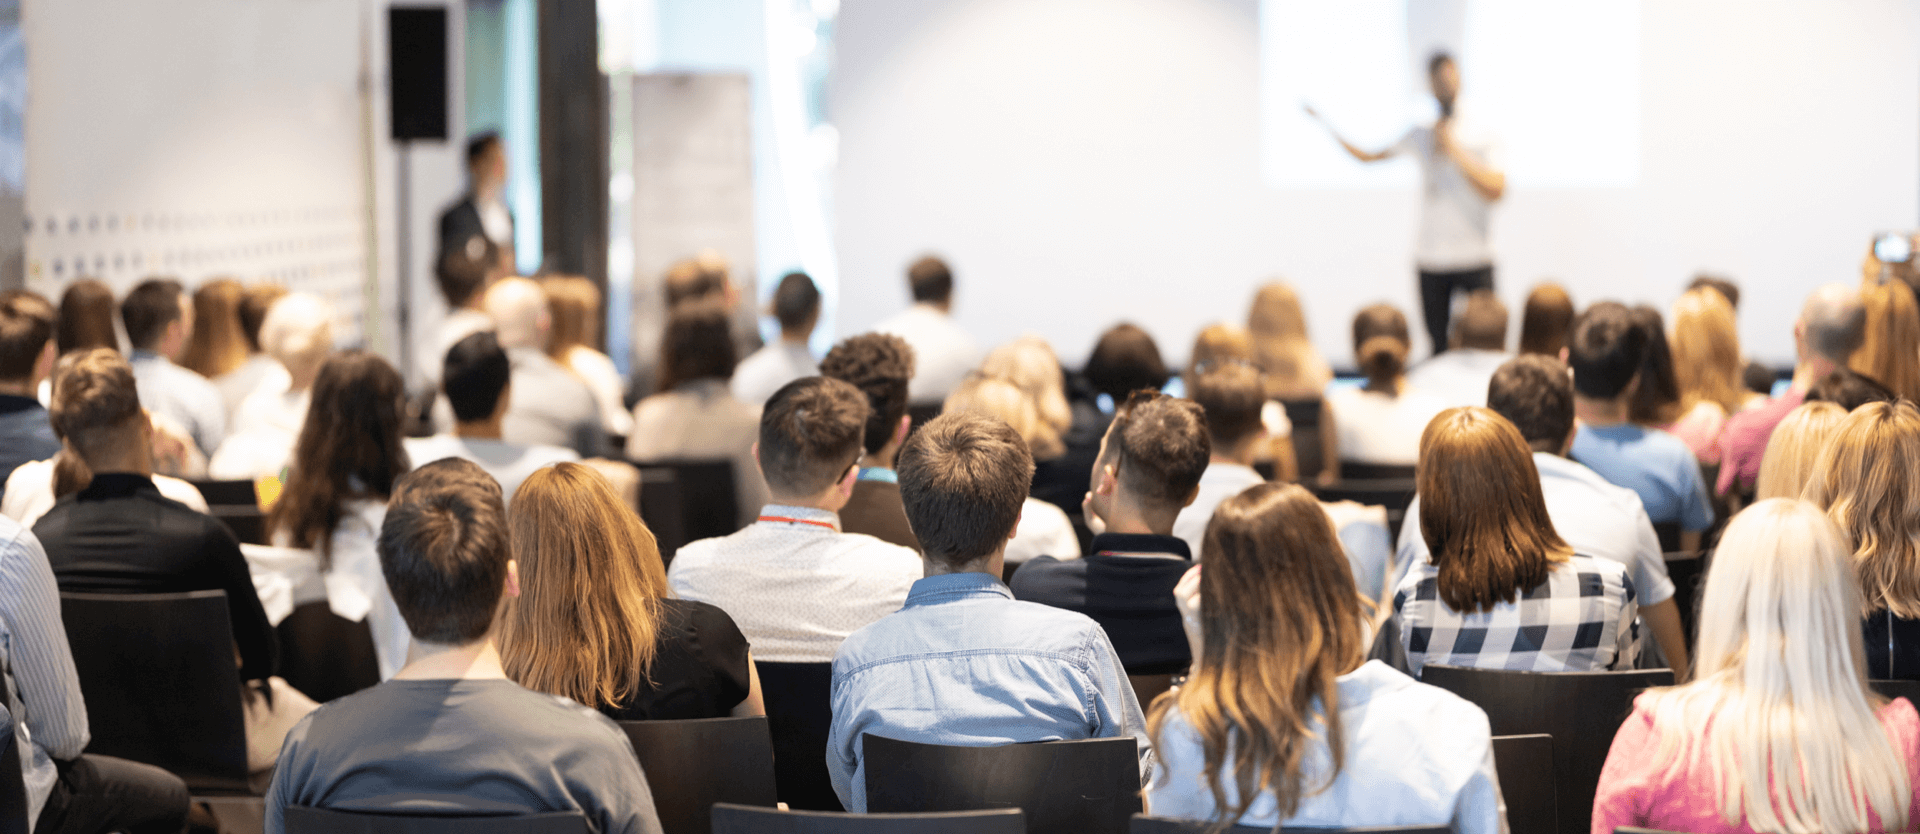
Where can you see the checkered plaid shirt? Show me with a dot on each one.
(1579, 620)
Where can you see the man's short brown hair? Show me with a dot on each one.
(94, 398)
(931, 280)
(444, 549)
(1158, 445)
(963, 479)
(810, 434)
(148, 308)
(698, 344)
(26, 325)
(1535, 393)
(1482, 323)
(1232, 396)
(880, 365)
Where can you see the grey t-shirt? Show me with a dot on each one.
(487, 746)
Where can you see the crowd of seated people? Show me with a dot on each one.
(1015, 569)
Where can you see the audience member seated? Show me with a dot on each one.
(1824, 336)
(1500, 588)
(595, 621)
(1889, 338)
(1478, 346)
(1379, 422)
(1149, 468)
(963, 663)
(343, 469)
(1125, 360)
(706, 279)
(1295, 372)
(1865, 480)
(1849, 389)
(476, 379)
(1595, 518)
(1609, 356)
(695, 415)
(217, 346)
(943, 353)
(1655, 401)
(451, 732)
(1546, 320)
(463, 275)
(255, 372)
(1795, 449)
(1756, 378)
(1223, 344)
(547, 404)
(880, 365)
(1707, 366)
(65, 791)
(298, 334)
(1031, 365)
(159, 319)
(86, 318)
(793, 581)
(1778, 731)
(796, 307)
(120, 535)
(1283, 721)
(1231, 396)
(26, 359)
(1044, 529)
(577, 315)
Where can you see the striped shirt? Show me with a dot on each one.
(1579, 620)
(38, 666)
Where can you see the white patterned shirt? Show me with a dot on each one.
(1579, 620)
(796, 587)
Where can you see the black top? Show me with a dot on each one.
(1131, 596)
(875, 509)
(120, 535)
(1893, 647)
(1064, 481)
(699, 667)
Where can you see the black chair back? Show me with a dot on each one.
(227, 493)
(660, 509)
(741, 819)
(247, 524)
(158, 676)
(1580, 710)
(13, 783)
(1525, 766)
(1308, 454)
(1143, 824)
(1909, 690)
(1090, 786)
(1395, 494)
(693, 764)
(705, 504)
(303, 820)
(799, 699)
(325, 655)
(1688, 571)
(1356, 471)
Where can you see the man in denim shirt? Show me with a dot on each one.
(964, 663)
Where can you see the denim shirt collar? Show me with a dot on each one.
(954, 587)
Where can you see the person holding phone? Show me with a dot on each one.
(1463, 180)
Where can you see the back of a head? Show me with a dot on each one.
(1890, 339)
(1380, 343)
(1004, 401)
(519, 312)
(574, 303)
(474, 376)
(1833, 322)
(1219, 344)
(465, 269)
(1849, 389)
(1546, 320)
(1277, 327)
(1794, 449)
(148, 309)
(298, 328)
(1232, 396)
(810, 433)
(1159, 446)
(1125, 360)
(1482, 323)
(443, 551)
(697, 344)
(1606, 351)
(699, 278)
(963, 480)
(796, 303)
(1535, 394)
(1724, 287)
(930, 280)
(1482, 513)
(585, 623)
(880, 365)
(96, 406)
(350, 445)
(1656, 400)
(1706, 350)
(1031, 365)
(26, 325)
(86, 318)
(253, 311)
(1865, 480)
(218, 344)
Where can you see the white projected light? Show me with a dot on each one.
(1556, 83)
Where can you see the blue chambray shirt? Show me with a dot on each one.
(963, 663)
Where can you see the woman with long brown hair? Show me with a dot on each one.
(86, 318)
(1547, 320)
(1866, 482)
(1499, 570)
(574, 303)
(595, 621)
(1282, 722)
(217, 345)
(1278, 330)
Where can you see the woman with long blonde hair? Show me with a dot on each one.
(1794, 449)
(1778, 732)
(1282, 721)
(1865, 480)
(1889, 349)
(1707, 366)
(1278, 329)
(594, 620)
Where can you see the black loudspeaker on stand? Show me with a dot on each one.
(417, 101)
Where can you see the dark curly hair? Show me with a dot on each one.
(879, 364)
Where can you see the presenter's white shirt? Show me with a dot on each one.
(1454, 218)
(1381, 429)
(943, 354)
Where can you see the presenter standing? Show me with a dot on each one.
(1462, 181)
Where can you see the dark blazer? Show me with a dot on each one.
(875, 509)
(1131, 596)
(460, 222)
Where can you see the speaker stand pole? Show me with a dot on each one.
(403, 251)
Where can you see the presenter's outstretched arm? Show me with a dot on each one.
(1358, 153)
(1491, 182)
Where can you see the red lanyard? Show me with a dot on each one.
(799, 521)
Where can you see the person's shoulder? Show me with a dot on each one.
(540, 454)
(1581, 566)
(1043, 574)
(1422, 704)
(1902, 724)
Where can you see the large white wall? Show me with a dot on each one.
(1080, 162)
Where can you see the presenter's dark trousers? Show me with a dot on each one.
(1436, 298)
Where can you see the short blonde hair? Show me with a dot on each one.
(1794, 450)
(1865, 482)
(1001, 399)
